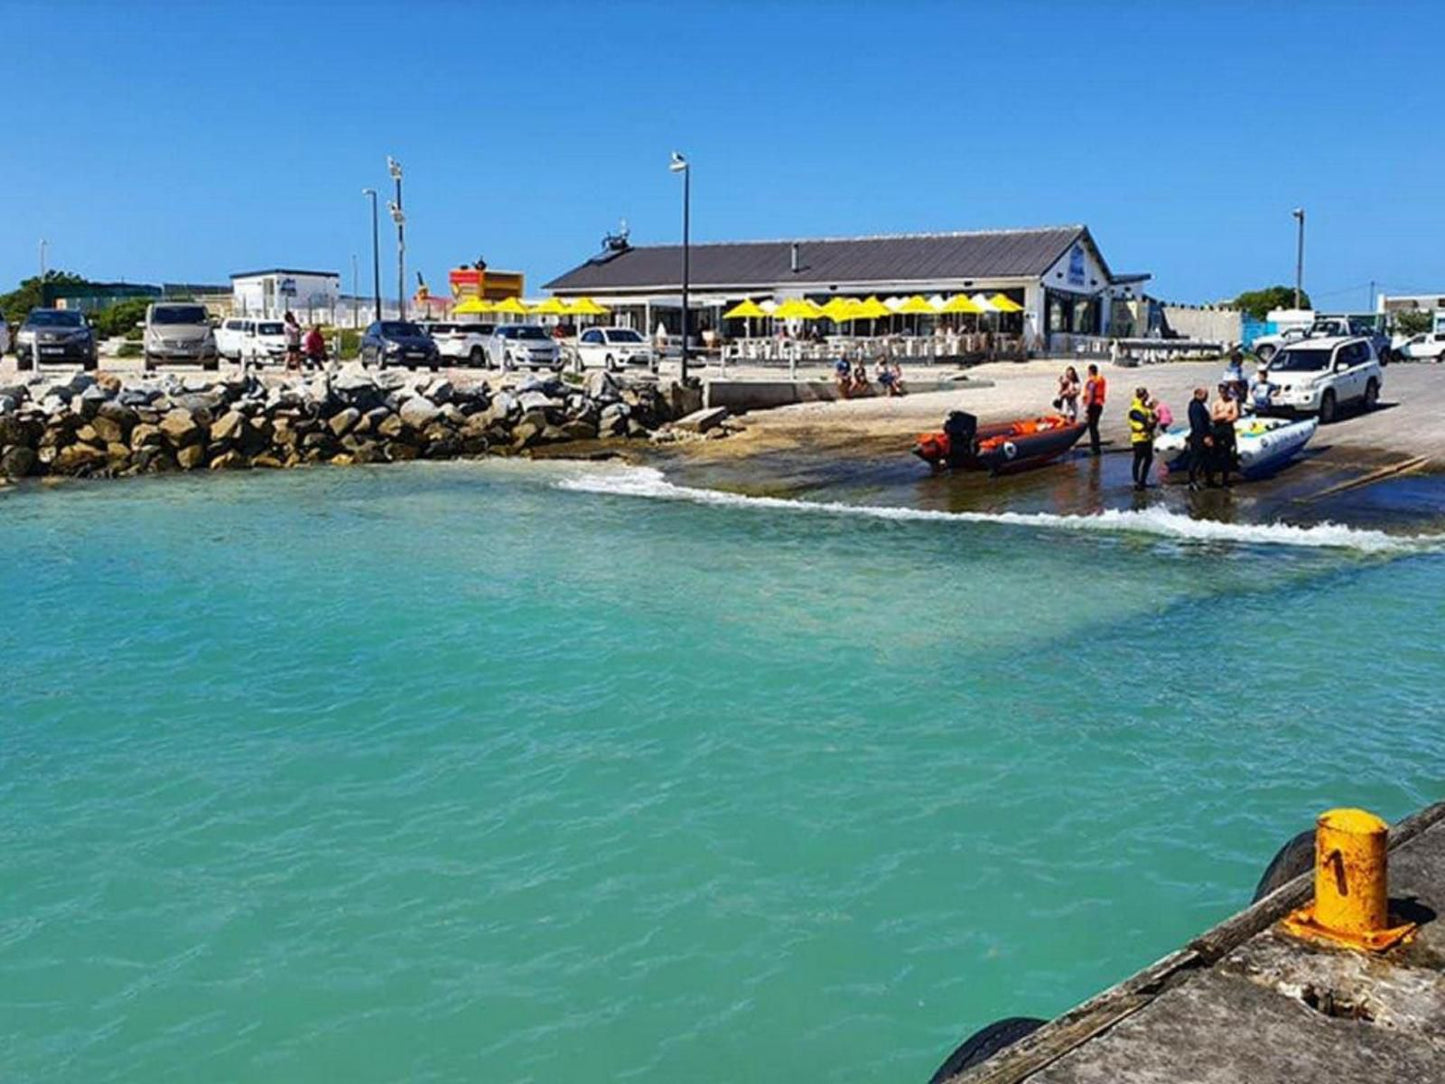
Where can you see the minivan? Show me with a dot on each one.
(179, 331)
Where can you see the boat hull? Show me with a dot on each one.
(1002, 447)
(1262, 445)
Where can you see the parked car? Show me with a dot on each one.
(525, 345)
(179, 331)
(58, 335)
(399, 342)
(229, 335)
(462, 342)
(1367, 327)
(1266, 346)
(263, 341)
(1429, 346)
(1318, 376)
(612, 348)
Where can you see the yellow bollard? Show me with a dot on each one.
(1351, 905)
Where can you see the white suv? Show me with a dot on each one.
(1318, 376)
(462, 343)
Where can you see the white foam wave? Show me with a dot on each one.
(650, 483)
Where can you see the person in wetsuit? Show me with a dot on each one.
(1201, 439)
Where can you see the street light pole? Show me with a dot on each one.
(375, 255)
(1299, 262)
(679, 164)
(394, 168)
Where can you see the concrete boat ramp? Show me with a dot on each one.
(1248, 1002)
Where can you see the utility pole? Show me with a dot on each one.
(397, 216)
(1299, 263)
(679, 164)
(375, 256)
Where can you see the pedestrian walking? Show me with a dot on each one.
(293, 340)
(1201, 439)
(1067, 403)
(1095, 390)
(1142, 423)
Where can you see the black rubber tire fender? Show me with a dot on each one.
(985, 1043)
(1295, 857)
(1329, 408)
(1372, 394)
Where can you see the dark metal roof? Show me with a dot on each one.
(284, 271)
(760, 265)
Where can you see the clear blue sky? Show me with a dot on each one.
(182, 142)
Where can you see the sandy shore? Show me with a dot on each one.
(1409, 422)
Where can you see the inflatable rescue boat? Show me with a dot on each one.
(965, 445)
(1262, 445)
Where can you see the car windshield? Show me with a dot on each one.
(441, 329)
(522, 331)
(1300, 361)
(178, 314)
(270, 329)
(401, 329)
(52, 318)
(624, 335)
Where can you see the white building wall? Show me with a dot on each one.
(314, 298)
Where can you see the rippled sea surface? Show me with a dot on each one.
(510, 773)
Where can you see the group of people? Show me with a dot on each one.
(852, 380)
(1212, 449)
(1094, 390)
(308, 349)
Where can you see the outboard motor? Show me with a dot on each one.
(961, 428)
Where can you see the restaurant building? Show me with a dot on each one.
(1056, 273)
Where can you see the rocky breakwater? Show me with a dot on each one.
(97, 425)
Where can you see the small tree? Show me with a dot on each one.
(1412, 321)
(1258, 303)
(120, 317)
(16, 305)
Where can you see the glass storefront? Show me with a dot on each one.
(1070, 314)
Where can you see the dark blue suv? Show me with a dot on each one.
(399, 342)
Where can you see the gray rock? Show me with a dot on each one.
(180, 428)
(602, 386)
(190, 457)
(418, 412)
(700, 421)
(342, 422)
(228, 427)
(440, 391)
(138, 397)
(8, 405)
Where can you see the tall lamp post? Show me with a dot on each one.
(394, 168)
(1299, 260)
(679, 165)
(375, 255)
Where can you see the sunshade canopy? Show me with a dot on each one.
(744, 310)
(917, 305)
(513, 305)
(960, 303)
(872, 309)
(1005, 304)
(585, 306)
(841, 308)
(797, 308)
(553, 306)
(474, 305)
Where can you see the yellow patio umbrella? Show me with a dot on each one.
(917, 305)
(872, 309)
(747, 309)
(585, 306)
(960, 303)
(473, 306)
(553, 306)
(797, 308)
(841, 309)
(512, 306)
(1005, 304)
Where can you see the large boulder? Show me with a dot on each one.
(18, 461)
(108, 429)
(344, 421)
(418, 412)
(146, 436)
(228, 427)
(78, 459)
(602, 386)
(180, 427)
(190, 457)
(701, 421)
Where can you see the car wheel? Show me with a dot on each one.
(1328, 408)
(611, 364)
(211, 365)
(148, 363)
(475, 357)
(24, 361)
(90, 364)
(1264, 353)
(1372, 394)
(434, 368)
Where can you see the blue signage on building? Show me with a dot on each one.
(1076, 265)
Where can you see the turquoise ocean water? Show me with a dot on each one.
(525, 772)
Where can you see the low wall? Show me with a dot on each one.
(743, 395)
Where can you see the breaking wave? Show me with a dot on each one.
(647, 482)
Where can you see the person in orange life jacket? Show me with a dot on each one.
(1142, 422)
(1095, 388)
